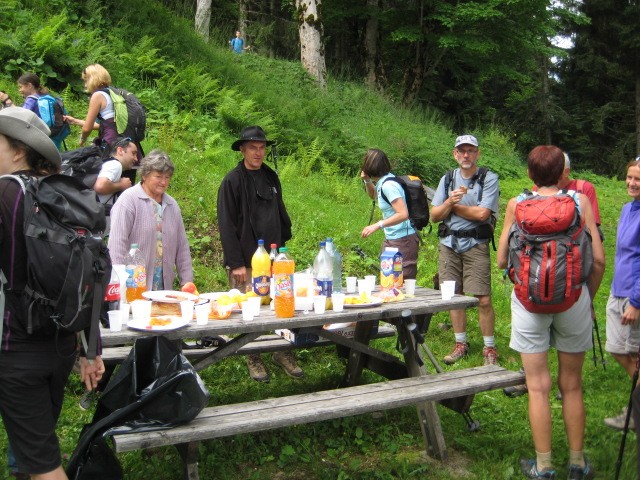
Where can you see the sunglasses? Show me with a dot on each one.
(122, 142)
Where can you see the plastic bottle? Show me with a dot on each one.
(137, 280)
(111, 298)
(283, 269)
(323, 271)
(261, 272)
(337, 265)
(272, 256)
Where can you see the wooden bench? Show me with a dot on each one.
(240, 418)
(262, 344)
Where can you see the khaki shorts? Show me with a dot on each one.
(621, 339)
(471, 270)
(569, 331)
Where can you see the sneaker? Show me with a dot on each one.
(459, 351)
(617, 423)
(516, 390)
(581, 473)
(490, 355)
(287, 361)
(529, 469)
(257, 370)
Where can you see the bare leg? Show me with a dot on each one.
(536, 368)
(627, 361)
(486, 315)
(570, 384)
(57, 474)
(459, 320)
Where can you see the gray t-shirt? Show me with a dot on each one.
(490, 194)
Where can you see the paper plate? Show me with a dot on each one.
(174, 324)
(169, 296)
(374, 303)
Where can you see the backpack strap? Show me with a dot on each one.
(3, 282)
(384, 197)
(448, 182)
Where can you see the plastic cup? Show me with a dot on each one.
(186, 309)
(364, 286)
(141, 309)
(338, 301)
(319, 303)
(202, 313)
(448, 289)
(255, 302)
(352, 283)
(125, 308)
(115, 320)
(372, 282)
(410, 286)
(247, 311)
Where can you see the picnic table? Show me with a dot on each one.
(409, 382)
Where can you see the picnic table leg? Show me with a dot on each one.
(189, 453)
(357, 360)
(427, 413)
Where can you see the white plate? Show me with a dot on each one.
(169, 296)
(374, 303)
(176, 322)
(212, 295)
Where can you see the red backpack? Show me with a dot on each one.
(550, 256)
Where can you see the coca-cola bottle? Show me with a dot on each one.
(111, 298)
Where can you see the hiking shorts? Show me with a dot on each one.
(31, 395)
(621, 339)
(408, 246)
(471, 270)
(568, 331)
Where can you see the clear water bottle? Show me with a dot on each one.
(137, 279)
(323, 271)
(337, 264)
(111, 298)
(272, 256)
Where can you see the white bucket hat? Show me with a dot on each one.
(24, 125)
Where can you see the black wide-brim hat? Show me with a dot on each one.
(251, 134)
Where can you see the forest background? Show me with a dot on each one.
(481, 74)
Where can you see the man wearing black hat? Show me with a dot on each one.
(250, 207)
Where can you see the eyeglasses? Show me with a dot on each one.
(122, 142)
(469, 151)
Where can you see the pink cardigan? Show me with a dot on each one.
(133, 221)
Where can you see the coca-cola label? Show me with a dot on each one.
(113, 292)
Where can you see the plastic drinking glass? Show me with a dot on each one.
(255, 303)
(247, 311)
(141, 309)
(186, 309)
(352, 283)
(319, 303)
(338, 301)
(125, 308)
(202, 313)
(410, 286)
(372, 282)
(448, 289)
(364, 286)
(115, 320)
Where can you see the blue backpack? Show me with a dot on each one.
(52, 113)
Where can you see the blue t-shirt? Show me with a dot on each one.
(626, 281)
(237, 45)
(490, 194)
(393, 190)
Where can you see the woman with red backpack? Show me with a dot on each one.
(535, 327)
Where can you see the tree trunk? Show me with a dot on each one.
(203, 18)
(242, 19)
(414, 75)
(376, 77)
(311, 32)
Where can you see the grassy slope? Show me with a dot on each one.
(325, 198)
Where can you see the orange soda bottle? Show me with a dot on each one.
(261, 273)
(137, 279)
(283, 270)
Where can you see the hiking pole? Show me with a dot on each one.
(274, 155)
(597, 330)
(625, 430)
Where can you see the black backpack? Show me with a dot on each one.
(416, 196)
(83, 163)
(68, 265)
(131, 117)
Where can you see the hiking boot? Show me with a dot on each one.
(257, 370)
(459, 351)
(516, 390)
(490, 355)
(287, 361)
(617, 422)
(581, 473)
(529, 469)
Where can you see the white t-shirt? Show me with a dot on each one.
(111, 170)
